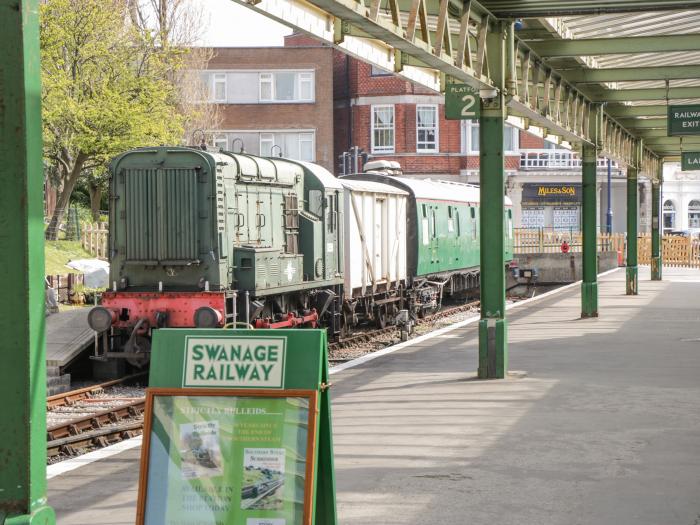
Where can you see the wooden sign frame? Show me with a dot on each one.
(311, 452)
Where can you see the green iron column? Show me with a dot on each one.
(656, 226)
(632, 282)
(493, 338)
(23, 386)
(589, 286)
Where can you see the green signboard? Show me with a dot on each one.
(690, 160)
(237, 429)
(461, 102)
(684, 120)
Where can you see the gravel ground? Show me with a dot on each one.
(110, 398)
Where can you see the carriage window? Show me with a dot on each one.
(425, 214)
(450, 220)
(459, 227)
(425, 231)
(473, 213)
(316, 203)
(434, 225)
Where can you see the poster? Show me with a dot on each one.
(228, 459)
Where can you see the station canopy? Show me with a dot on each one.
(590, 72)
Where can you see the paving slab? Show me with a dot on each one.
(601, 427)
(67, 335)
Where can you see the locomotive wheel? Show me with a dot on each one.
(141, 345)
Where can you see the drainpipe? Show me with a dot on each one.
(349, 95)
(609, 213)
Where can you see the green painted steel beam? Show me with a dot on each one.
(672, 141)
(613, 46)
(631, 95)
(549, 8)
(22, 324)
(651, 133)
(631, 280)
(633, 124)
(656, 110)
(589, 285)
(656, 221)
(631, 74)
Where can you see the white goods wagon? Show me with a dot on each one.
(375, 240)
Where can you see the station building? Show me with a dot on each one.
(680, 198)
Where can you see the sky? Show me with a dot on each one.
(232, 25)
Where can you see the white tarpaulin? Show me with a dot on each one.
(96, 272)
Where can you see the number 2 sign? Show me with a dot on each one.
(461, 102)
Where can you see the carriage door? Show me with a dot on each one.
(331, 248)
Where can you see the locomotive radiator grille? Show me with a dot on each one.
(161, 215)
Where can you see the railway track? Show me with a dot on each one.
(366, 336)
(121, 418)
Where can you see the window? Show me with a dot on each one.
(220, 141)
(383, 129)
(219, 87)
(267, 140)
(266, 87)
(473, 214)
(377, 71)
(470, 137)
(306, 146)
(306, 86)
(669, 215)
(426, 128)
(433, 228)
(287, 86)
(694, 214)
(450, 220)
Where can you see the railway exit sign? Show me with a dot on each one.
(684, 120)
(461, 102)
(690, 160)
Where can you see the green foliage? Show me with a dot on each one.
(106, 85)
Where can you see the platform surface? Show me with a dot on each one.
(67, 335)
(603, 429)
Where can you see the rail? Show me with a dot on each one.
(540, 240)
(554, 159)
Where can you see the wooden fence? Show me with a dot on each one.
(675, 250)
(94, 238)
(550, 241)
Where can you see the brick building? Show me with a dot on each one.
(393, 119)
(274, 100)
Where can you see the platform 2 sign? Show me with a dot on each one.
(690, 161)
(461, 102)
(684, 120)
(237, 429)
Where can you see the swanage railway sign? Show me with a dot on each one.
(684, 120)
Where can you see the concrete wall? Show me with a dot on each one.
(563, 267)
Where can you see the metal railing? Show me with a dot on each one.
(554, 159)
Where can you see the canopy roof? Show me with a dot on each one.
(589, 72)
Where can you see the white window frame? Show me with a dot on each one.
(300, 77)
(375, 147)
(308, 137)
(306, 77)
(470, 149)
(266, 78)
(218, 78)
(266, 137)
(436, 144)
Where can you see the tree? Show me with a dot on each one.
(107, 87)
(180, 24)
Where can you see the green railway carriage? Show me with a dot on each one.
(443, 235)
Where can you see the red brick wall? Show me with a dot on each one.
(530, 141)
(317, 115)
